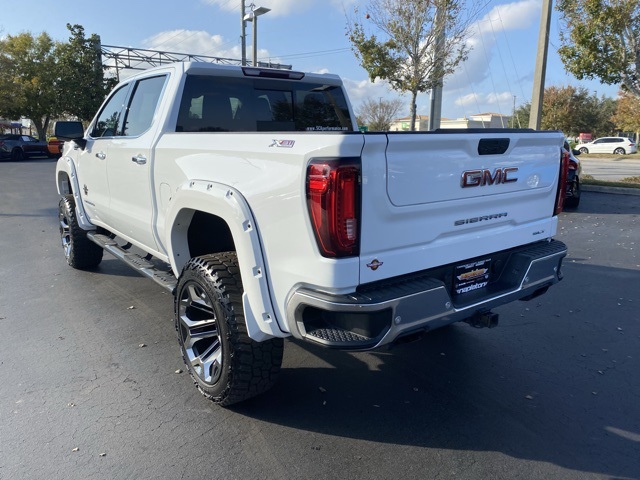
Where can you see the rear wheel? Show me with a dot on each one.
(619, 151)
(584, 150)
(225, 364)
(80, 252)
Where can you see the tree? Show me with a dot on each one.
(627, 115)
(601, 110)
(41, 79)
(522, 114)
(421, 41)
(378, 115)
(570, 110)
(82, 86)
(601, 39)
(27, 79)
(573, 111)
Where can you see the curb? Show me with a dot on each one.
(614, 190)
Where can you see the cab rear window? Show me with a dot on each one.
(222, 104)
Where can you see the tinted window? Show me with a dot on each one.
(219, 104)
(108, 123)
(143, 105)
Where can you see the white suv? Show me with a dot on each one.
(617, 145)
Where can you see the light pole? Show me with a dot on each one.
(253, 17)
(243, 34)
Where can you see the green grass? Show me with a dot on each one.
(628, 182)
(609, 156)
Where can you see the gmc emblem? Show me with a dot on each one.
(480, 178)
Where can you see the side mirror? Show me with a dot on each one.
(70, 131)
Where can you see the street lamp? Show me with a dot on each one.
(253, 17)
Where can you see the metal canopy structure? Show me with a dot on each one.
(127, 58)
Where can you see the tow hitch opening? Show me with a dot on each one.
(483, 319)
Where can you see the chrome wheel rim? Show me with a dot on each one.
(65, 234)
(198, 328)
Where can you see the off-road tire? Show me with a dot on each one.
(80, 252)
(225, 364)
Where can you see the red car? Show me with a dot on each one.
(19, 147)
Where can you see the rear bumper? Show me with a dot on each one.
(380, 313)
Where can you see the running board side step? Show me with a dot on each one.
(141, 265)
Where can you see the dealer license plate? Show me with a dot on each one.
(471, 276)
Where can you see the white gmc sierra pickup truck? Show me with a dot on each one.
(251, 195)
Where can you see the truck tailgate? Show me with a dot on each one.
(452, 196)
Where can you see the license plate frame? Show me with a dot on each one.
(471, 276)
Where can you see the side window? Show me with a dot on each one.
(207, 105)
(142, 107)
(108, 123)
(321, 109)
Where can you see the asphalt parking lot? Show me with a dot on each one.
(552, 393)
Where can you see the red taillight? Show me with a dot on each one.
(333, 198)
(562, 181)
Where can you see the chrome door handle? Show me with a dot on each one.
(101, 155)
(139, 159)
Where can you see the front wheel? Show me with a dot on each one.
(225, 364)
(17, 155)
(80, 252)
(619, 151)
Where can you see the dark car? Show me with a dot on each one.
(572, 198)
(19, 147)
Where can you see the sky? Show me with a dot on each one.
(311, 36)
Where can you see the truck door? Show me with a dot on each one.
(130, 161)
(92, 162)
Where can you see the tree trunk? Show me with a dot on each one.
(414, 95)
(41, 125)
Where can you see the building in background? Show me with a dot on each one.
(479, 120)
(8, 126)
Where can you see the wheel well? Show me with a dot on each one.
(64, 185)
(208, 234)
